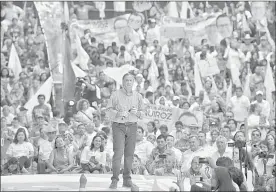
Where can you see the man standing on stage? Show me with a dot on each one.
(125, 107)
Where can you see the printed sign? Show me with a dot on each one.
(166, 116)
(175, 31)
(194, 29)
(141, 6)
(208, 67)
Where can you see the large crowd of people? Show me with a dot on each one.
(236, 133)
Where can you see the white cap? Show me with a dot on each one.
(259, 93)
(139, 75)
(152, 20)
(175, 98)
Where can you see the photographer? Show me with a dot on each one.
(87, 89)
(264, 161)
(241, 157)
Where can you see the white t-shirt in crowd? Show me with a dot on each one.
(87, 154)
(19, 150)
(240, 106)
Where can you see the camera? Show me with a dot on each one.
(240, 144)
(162, 156)
(265, 155)
(203, 160)
(231, 144)
(202, 56)
(199, 179)
(80, 80)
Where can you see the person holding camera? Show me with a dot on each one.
(198, 170)
(156, 164)
(264, 161)
(87, 89)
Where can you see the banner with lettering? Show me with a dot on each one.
(105, 30)
(166, 116)
(194, 29)
(208, 67)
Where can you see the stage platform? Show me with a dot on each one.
(95, 182)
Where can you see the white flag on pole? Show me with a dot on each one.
(45, 89)
(14, 62)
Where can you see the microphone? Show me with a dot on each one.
(123, 117)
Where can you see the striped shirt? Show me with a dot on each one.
(121, 101)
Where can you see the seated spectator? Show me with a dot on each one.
(85, 112)
(61, 159)
(156, 162)
(214, 135)
(41, 109)
(177, 133)
(7, 114)
(264, 161)
(21, 149)
(137, 167)
(226, 132)
(93, 157)
(152, 129)
(44, 144)
(170, 145)
(197, 169)
(90, 133)
(13, 167)
(143, 148)
(164, 130)
(222, 149)
(152, 139)
(194, 150)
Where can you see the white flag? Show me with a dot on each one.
(14, 62)
(45, 89)
(78, 72)
(82, 57)
(117, 73)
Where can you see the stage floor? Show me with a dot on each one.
(95, 182)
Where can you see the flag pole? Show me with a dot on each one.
(63, 29)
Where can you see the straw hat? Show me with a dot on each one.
(248, 38)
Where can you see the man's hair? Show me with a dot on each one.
(202, 132)
(41, 95)
(141, 128)
(256, 130)
(221, 16)
(221, 138)
(164, 127)
(169, 136)
(178, 123)
(127, 74)
(224, 162)
(227, 127)
(149, 94)
(236, 175)
(161, 137)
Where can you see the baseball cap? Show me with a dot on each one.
(139, 75)
(213, 123)
(23, 109)
(175, 98)
(152, 20)
(259, 93)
